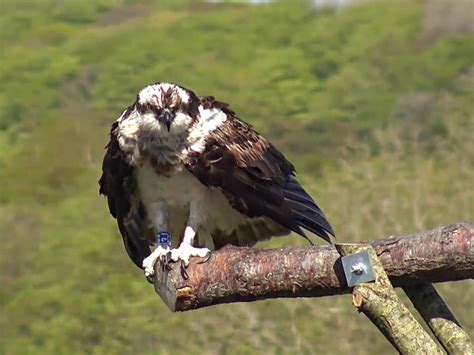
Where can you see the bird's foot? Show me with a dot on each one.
(185, 251)
(160, 253)
(164, 254)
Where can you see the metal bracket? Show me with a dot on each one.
(358, 268)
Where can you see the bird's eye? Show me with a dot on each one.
(157, 111)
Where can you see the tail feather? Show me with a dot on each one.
(315, 229)
(298, 196)
(306, 212)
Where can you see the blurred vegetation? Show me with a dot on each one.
(372, 102)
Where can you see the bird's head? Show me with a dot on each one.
(173, 107)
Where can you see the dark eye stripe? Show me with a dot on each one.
(155, 110)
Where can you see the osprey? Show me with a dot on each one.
(185, 166)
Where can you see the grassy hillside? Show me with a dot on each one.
(373, 103)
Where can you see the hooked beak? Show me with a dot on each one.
(167, 118)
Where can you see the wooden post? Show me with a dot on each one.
(439, 318)
(379, 302)
(236, 274)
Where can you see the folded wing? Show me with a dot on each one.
(254, 176)
(117, 184)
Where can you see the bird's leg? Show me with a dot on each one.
(159, 214)
(186, 249)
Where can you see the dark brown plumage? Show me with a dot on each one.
(118, 185)
(255, 177)
(225, 154)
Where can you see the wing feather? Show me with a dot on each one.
(255, 177)
(117, 184)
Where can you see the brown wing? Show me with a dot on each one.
(117, 184)
(249, 233)
(255, 177)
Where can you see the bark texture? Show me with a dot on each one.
(439, 318)
(379, 302)
(244, 274)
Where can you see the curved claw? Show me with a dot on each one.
(184, 273)
(165, 262)
(206, 258)
(151, 279)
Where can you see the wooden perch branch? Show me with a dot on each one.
(379, 302)
(439, 318)
(244, 274)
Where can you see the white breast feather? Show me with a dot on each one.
(177, 191)
(210, 120)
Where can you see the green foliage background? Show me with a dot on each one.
(372, 102)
